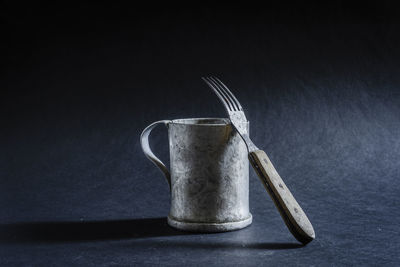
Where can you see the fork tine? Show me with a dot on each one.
(230, 93)
(221, 97)
(223, 91)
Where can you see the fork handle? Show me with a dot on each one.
(293, 215)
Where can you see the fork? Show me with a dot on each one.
(292, 214)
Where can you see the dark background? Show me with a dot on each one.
(79, 82)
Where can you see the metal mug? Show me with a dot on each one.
(209, 177)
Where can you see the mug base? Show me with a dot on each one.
(209, 227)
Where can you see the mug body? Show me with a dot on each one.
(209, 176)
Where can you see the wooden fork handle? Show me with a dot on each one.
(293, 215)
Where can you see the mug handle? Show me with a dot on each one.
(144, 141)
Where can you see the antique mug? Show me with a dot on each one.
(209, 174)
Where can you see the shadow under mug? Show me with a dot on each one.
(209, 174)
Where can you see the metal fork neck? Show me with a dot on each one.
(251, 147)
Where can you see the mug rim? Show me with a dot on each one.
(202, 121)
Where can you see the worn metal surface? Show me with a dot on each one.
(209, 176)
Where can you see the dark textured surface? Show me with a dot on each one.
(320, 87)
